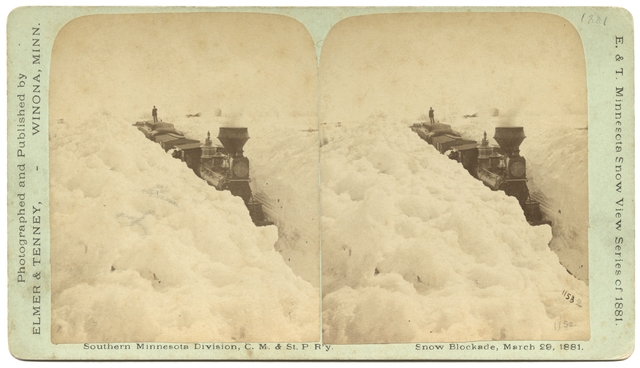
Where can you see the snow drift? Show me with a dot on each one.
(415, 249)
(144, 250)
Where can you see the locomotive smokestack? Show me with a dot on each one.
(233, 139)
(509, 139)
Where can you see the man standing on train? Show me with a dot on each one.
(431, 115)
(154, 113)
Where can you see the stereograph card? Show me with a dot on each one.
(320, 183)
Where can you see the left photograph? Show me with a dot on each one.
(184, 179)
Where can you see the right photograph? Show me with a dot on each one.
(454, 172)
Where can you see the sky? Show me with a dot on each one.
(457, 63)
(256, 64)
(265, 65)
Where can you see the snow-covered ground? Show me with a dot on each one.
(415, 249)
(144, 250)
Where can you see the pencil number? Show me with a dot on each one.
(563, 325)
(567, 295)
(593, 19)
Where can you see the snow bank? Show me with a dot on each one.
(143, 250)
(415, 249)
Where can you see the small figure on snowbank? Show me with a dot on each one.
(431, 115)
(154, 113)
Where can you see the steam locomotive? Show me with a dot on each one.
(223, 167)
(499, 168)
